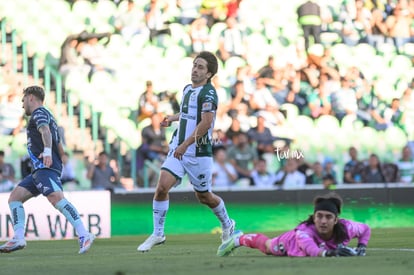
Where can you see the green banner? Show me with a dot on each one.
(136, 219)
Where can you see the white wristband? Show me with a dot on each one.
(47, 152)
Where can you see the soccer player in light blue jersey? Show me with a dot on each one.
(191, 151)
(45, 150)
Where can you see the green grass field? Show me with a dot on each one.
(391, 251)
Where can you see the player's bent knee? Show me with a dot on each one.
(162, 191)
(55, 197)
(207, 198)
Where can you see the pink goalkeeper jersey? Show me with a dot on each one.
(304, 240)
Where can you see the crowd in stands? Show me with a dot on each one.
(314, 82)
(316, 79)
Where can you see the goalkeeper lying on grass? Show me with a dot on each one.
(323, 234)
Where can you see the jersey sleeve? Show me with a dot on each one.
(306, 243)
(41, 117)
(209, 101)
(358, 230)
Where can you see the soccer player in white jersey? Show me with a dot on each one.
(191, 151)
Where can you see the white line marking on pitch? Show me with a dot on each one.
(393, 249)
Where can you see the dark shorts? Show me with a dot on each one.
(42, 181)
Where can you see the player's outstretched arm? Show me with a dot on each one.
(341, 251)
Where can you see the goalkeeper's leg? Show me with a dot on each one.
(257, 241)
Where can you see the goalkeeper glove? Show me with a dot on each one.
(341, 251)
(361, 249)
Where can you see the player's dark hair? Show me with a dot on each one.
(37, 91)
(340, 233)
(212, 63)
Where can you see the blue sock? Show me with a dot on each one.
(72, 215)
(18, 217)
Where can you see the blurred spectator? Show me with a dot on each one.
(200, 35)
(231, 41)
(156, 17)
(344, 100)
(7, 174)
(391, 172)
(406, 165)
(243, 113)
(373, 171)
(407, 99)
(276, 78)
(356, 30)
(238, 96)
(214, 11)
(289, 177)
(321, 176)
(68, 170)
(242, 156)
(224, 174)
(367, 100)
(188, 10)
(234, 130)
(246, 76)
(378, 29)
(220, 139)
(11, 113)
(131, 22)
(331, 177)
(309, 18)
(261, 136)
(317, 176)
(389, 6)
(102, 173)
(266, 72)
(148, 102)
(260, 176)
(70, 57)
(154, 145)
(329, 169)
(301, 85)
(262, 100)
(168, 102)
(94, 54)
(222, 94)
(223, 117)
(304, 166)
(319, 101)
(281, 83)
(328, 66)
(353, 167)
(389, 116)
(399, 26)
(5, 184)
(232, 7)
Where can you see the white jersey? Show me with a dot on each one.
(195, 102)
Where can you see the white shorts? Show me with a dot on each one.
(198, 169)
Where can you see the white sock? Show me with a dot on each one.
(221, 213)
(159, 213)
